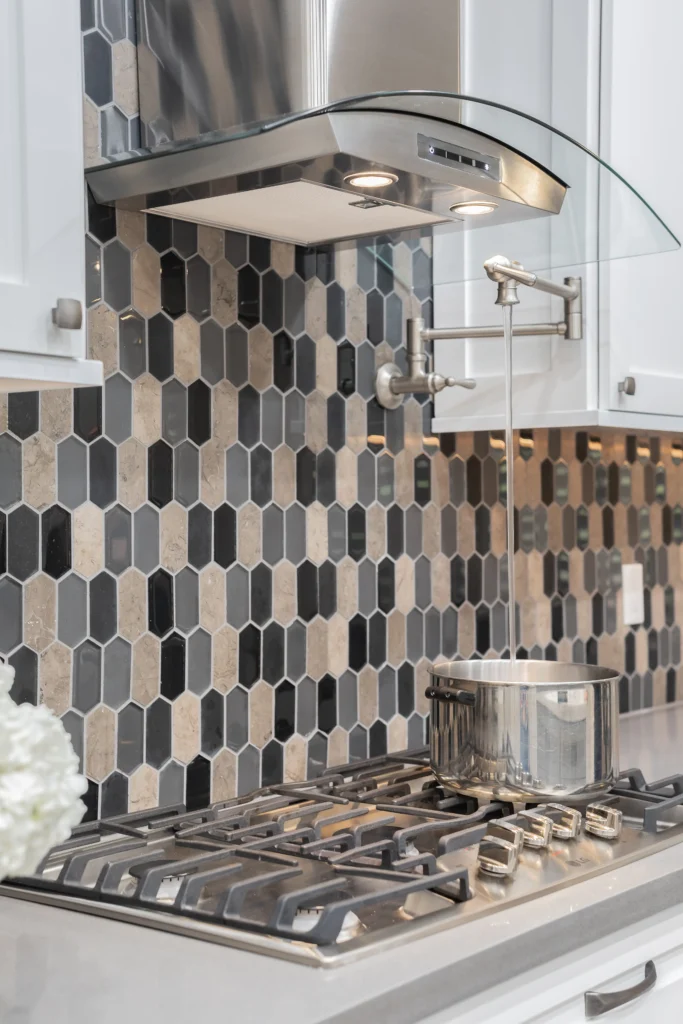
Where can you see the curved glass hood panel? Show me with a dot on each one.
(547, 201)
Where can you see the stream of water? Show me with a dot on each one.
(510, 468)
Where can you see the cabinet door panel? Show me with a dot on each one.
(41, 177)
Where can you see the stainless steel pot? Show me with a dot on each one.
(532, 730)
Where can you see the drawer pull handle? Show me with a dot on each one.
(597, 1003)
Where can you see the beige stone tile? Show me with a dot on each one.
(656, 525)
(431, 530)
(173, 536)
(284, 593)
(209, 243)
(282, 258)
(576, 573)
(440, 482)
(316, 649)
(347, 588)
(368, 696)
(131, 228)
(3, 412)
(316, 533)
(658, 616)
(249, 534)
(595, 527)
(88, 540)
(376, 529)
(261, 709)
(186, 728)
(405, 584)
(316, 308)
(396, 637)
(212, 473)
(146, 280)
(132, 472)
(40, 612)
(338, 645)
(100, 743)
(641, 651)
(346, 264)
(225, 659)
(55, 413)
(620, 527)
(611, 652)
(225, 413)
(147, 409)
(441, 582)
(356, 424)
(404, 479)
(532, 493)
(575, 496)
(555, 528)
(223, 776)
(38, 456)
(146, 666)
(498, 530)
(338, 746)
(659, 687)
(186, 357)
(347, 478)
(397, 733)
(143, 789)
(91, 134)
(326, 366)
(55, 678)
(211, 598)
(132, 604)
(125, 68)
(316, 421)
(529, 631)
(260, 358)
(224, 293)
(356, 315)
(466, 631)
(637, 484)
(284, 476)
(584, 617)
(543, 625)
(466, 531)
(413, 426)
(295, 759)
(535, 574)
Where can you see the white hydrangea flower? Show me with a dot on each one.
(39, 783)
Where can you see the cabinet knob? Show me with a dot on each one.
(627, 386)
(68, 314)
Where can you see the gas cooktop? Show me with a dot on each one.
(369, 855)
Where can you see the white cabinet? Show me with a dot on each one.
(41, 195)
(571, 64)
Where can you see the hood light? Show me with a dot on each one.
(371, 179)
(475, 209)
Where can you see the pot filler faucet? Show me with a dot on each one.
(391, 385)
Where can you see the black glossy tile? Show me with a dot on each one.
(305, 358)
(377, 642)
(306, 476)
(336, 422)
(199, 412)
(249, 416)
(23, 413)
(326, 478)
(56, 541)
(261, 475)
(159, 232)
(102, 466)
(212, 722)
(198, 288)
(199, 536)
(248, 296)
(406, 689)
(283, 361)
(327, 589)
(272, 764)
(172, 666)
(97, 68)
(327, 704)
(356, 533)
(377, 739)
(160, 602)
(88, 413)
(160, 473)
(346, 368)
(3, 543)
(160, 347)
(184, 237)
(23, 554)
(358, 643)
(273, 654)
(336, 311)
(259, 252)
(376, 426)
(307, 591)
(173, 285)
(25, 686)
(261, 594)
(224, 536)
(386, 585)
(285, 721)
(101, 220)
(249, 670)
(423, 480)
(395, 531)
(375, 317)
(103, 607)
(114, 795)
(158, 733)
(272, 311)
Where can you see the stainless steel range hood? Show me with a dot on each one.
(257, 114)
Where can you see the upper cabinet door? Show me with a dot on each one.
(41, 174)
(641, 329)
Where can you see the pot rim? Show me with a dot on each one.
(497, 672)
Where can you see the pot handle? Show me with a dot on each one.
(451, 695)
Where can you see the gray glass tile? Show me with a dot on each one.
(365, 370)
(198, 288)
(116, 684)
(111, 16)
(295, 534)
(449, 633)
(296, 651)
(449, 531)
(295, 297)
(347, 698)
(87, 676)
(366, 478)
(10, 470)
(306, 707)
(236, 247)
(336, 533)
(317, 755)
(117, 539)
(97, 68)
(72, 472)
(186, 600)
(102, 472)
(416, 731)
(387, 693)
(432, 634)
(114, 132)
(24, 689)
(72, 603)
(73, 723)
(271, 418)
(273, 534)
(236, 355)
(415, 635)
(118, 400)
(199, 536)
(116, 275)
(423, 582)
(199, 662)
(93, 272)
(11, 615)
(385, 479)
(248, 770)
(146, 538)
(103, 607)
(394, 321)
(186, 473)
(367, 587)
(174, 412)
(295, 420)
(237, 475)
(212, 351)
(132, 348)
(171, 784)
(236, 718)
(237, 595)
(414, 531)
(358, 743)
(22, 542)
(130, 738)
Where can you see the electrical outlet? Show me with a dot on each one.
(632, 589)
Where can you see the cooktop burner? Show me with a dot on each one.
(370, 854)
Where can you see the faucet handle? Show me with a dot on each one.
(464, 382)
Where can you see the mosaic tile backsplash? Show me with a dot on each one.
(230, 566)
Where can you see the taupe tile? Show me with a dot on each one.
(143, 789)
(40, 612)
(224, 293)
(224, 776)
(55, 413)
(130, 227)
(368, 696)
(249, 534)
(125, 77)
(284, 593)
(147, 409)
(396, 638)
(88, 540)
(103, 337)
(284, 476)
(356, 315)
(39, 465)
(356, 424)
(212, 598)
(146, 280)
(132, 469)
(338, 645)
(91, 134)
(404, 479)
(173, 536)
(316, 533)
(316, 308)
(225, 413)
(55, 678)
(316, 649)
(347, 588)
(347, 478)
(295, 759)
(212, 470)
(376, 530)
(186, 727)
(405, 584)
(316, 421)
(146, 665)
(100, 743)
(225, 659)
(260, 358)
(397, 733)
(338, 746)
(282, 258)
(326, 366)
(209, 243)
(186, 351)
(261, 709)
